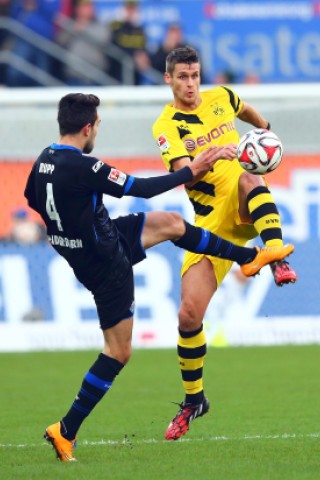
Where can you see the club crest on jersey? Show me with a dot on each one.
(190, 144)
(163, 143)
(117, 176)
(96, 167)
(218, 110)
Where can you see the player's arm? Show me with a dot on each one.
(152, 186)
(103, 178)
(224, 152)
(250, 115)
(182, 162)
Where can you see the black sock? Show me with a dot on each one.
(199, 240)
(95, 384)
(195, 399)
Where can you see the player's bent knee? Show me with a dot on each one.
(188, 318)
(176, 224)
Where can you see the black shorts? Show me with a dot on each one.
(114, 297)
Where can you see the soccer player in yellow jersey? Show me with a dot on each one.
(227, 201)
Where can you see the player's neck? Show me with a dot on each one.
(72, 141)
(179, 104)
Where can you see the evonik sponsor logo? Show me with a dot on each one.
(215, 133)
(190, 144)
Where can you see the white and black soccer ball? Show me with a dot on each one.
(259, 151)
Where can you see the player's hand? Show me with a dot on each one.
(229, 151)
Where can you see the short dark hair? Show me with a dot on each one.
(181, 55)
(75, 111)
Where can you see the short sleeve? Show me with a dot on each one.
(169, 143)
(234, 100)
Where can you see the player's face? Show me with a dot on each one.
(92, 136)
(185, 85)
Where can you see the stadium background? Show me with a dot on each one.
(278, 40)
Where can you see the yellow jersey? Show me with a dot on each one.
(215, 196)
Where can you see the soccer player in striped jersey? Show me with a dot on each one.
(227, 201)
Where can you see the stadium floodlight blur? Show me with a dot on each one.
(62, 55)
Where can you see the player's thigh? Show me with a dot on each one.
(197, 288)
(131, 227)
(161, 226)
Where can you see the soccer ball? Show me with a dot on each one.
(259, 151)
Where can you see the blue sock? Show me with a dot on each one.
(199, 240)
(95, 385)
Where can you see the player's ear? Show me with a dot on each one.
(87, 129)
(167, 78)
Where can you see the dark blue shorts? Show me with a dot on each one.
(114, 297)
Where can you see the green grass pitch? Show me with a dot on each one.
(263, 423)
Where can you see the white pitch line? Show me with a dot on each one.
(134, 441)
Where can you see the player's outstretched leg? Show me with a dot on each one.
(251, 260)
(265, 256)
(63, 447)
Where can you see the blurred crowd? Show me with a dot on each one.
(53, 42)
(63, 42)
(24, 230)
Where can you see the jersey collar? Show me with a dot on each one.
(56, 146)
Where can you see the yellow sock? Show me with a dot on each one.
(192, 349)
(265, 216)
